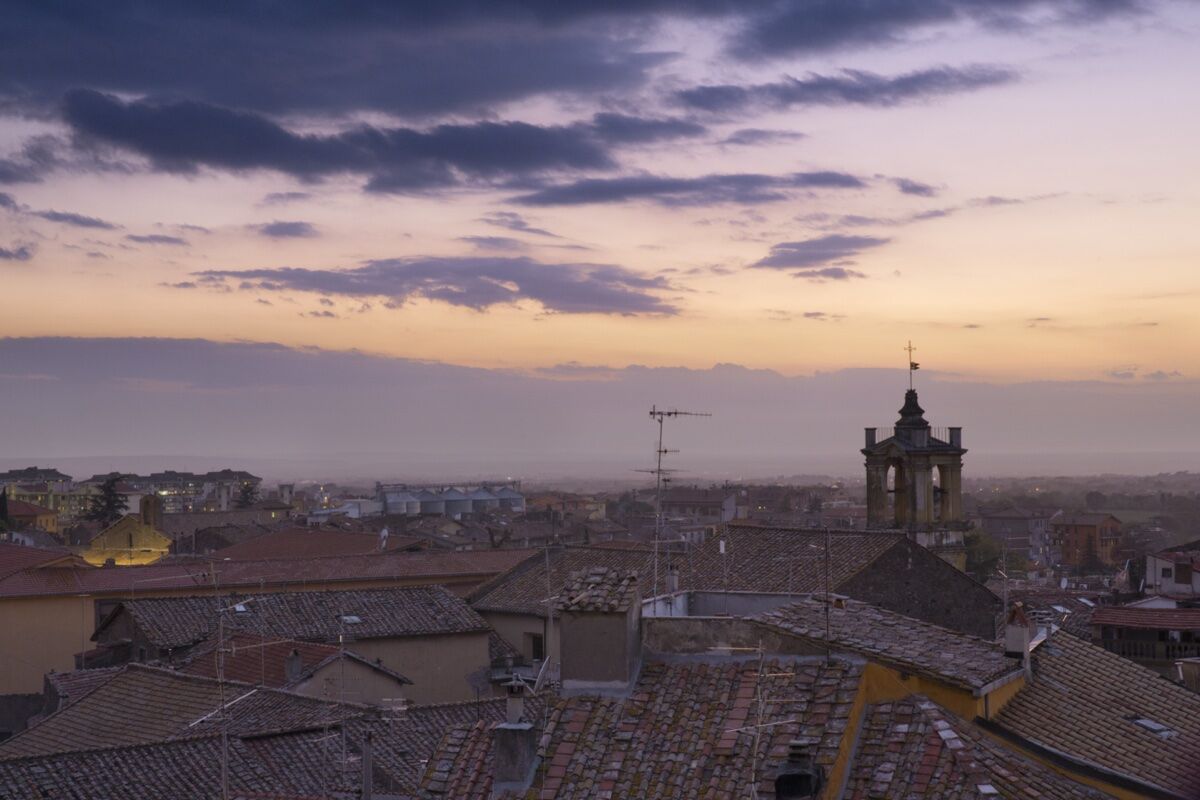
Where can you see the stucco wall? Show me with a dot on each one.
(443, 669)
(363, 684)
(38, 635)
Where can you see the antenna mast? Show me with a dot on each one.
(660, 416)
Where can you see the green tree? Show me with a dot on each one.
(247, 495)
(983, 554)
(109, 505)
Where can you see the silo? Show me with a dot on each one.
(402, 502)
(456, 503)
(511, 499)
(483, 500)
(430, 503)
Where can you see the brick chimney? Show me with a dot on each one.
(600, 614)
(514, 744)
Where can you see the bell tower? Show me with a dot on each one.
(925, 469)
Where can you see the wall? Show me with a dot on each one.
(514, 628)
(443, 669)
(900, 580)
(363, 684)
(38, 635)
(600, 647)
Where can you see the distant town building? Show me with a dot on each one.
(1086, 541)
(690, 502)
(1175, 572)
(1024, 531)
(27, 515)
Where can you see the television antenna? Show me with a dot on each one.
(660, 415)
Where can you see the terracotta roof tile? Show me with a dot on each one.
(913, 748)
(1176, 619)
(296, 543)
(599, 589)
(146, 704)
(883, 635)
(1100, 708)
(755, 559)
(175, 622)
(688, 729)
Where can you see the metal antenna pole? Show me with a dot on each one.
(828, 601)
(659, 416)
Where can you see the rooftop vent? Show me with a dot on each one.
(800, 777)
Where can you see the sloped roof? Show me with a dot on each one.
(1082, 519)
(71, 686)
(24, 580)
(1063, 607)
(262, 661)
(174, 622)
(913, 748)
(143, 704)
(688, 729)
(1175, 619)
(599, 589)
(20, 508)
(463, 765)
(885, 636)
(294, 543)
(1086, 703)
(760, 559)
(15, 558)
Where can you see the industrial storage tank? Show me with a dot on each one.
(456, 502)
(399, 502)
(483, 500)
(430, 503)
(510, 499)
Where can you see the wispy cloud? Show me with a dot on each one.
(476, 282)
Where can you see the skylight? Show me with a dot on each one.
(1154, 727)
(351, 619)
(240, 608)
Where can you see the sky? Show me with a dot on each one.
(595, 197)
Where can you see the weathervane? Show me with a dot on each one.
(912, 365)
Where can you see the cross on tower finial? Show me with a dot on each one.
(913, 366)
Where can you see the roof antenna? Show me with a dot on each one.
(659, 416)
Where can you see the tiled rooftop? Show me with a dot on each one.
(755, 559)
(886, 636)
(1070, 610)
(262, 661)
(1176, 619)
(26, 579)
(688, 729)
(294, 543)
(1105, 710)
(599, 589)
(912, 748)
(139, 705)
(176, 622)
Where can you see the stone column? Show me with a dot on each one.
(922, 493)
(877, 494)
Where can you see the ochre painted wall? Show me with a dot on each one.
(442, 668)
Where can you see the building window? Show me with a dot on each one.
(537, 646)
(1167, 572)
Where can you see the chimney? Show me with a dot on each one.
(956, 437)
(800, 777)
(870, 437)
(293, 666)
(672, 579)
(600, 638)
(514, 745)
(368, 769)
(286, 491)
(1018, 633)
(383, 537)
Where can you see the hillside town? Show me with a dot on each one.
(180, 635)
